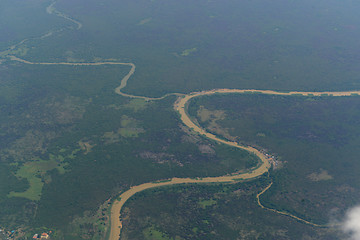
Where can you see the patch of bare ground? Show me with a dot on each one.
(206, 149)
(160, 158)
(212, 117)
(55, 111)
(322, 175)
(206, 115)
(86, 146)
(25, 147)
(57, 114)
(345, 189)
(66, 110)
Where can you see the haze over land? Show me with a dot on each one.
(70, 144)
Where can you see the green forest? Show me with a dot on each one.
(70, 145)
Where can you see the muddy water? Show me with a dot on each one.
(180, 107)
(116, 224)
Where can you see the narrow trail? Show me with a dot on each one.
(179, 106)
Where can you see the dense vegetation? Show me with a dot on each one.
(211, 212)
(316, 140)
(25, 19)
(69, 143)
(190, 46)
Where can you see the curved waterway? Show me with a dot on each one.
(49, 10)
(180, 106)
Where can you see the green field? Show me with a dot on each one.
(72, 128)
(69, 143)
(35, 173)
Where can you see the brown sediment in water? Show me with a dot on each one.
(180, 107)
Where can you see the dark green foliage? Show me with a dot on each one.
(45, 111)
(24, 19)
(8, 182)
(240, 44)
(176, 212)
(66, 105)
(316, 140)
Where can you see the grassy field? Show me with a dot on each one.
(66, 125)
(34, 172)
(68, 143)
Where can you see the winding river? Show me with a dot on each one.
(180, 106)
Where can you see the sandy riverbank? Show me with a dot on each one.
(180, 107)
